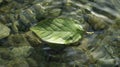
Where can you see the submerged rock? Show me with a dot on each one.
(4, 31)
(22, 52)
(1, 1)
(18, 62)
(5, 53)
(54, 12)
(96, 23)
(32, 62)
(32, 39)
(16, 40)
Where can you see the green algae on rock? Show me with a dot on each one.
(18, 62)
(4, 31)
(17, 40)
(32, 39)
(20, 52)
(58, 30)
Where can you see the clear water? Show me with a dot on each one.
(99, 49)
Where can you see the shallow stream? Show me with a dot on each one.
(19, 47)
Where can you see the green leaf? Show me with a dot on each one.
(58, 30)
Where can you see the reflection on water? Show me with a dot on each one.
(100, 49)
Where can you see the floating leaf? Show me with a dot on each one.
(59, 30)
(4, 31)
